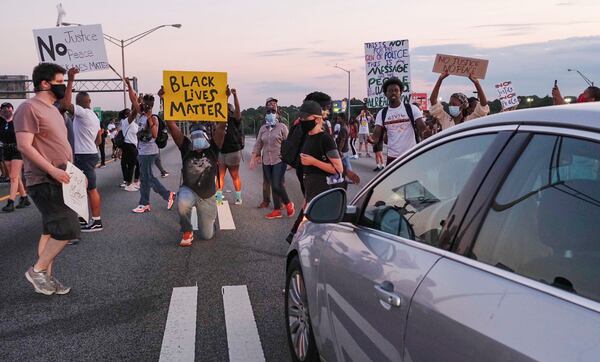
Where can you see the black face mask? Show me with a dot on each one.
(58, 90)
(308, 126)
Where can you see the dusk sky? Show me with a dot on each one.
(287, 49)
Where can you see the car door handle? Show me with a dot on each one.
(385, 292)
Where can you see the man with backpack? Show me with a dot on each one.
(403, 122)
(231, 151)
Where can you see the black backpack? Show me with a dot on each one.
(163, 135)
(409, 112)
(291, 146)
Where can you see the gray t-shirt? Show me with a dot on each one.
(146, 148)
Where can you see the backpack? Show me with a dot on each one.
(291, 146)
(119, 139)
(163, 136)
(409, 112)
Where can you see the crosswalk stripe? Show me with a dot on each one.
(242, 334)
(225, 217)
(179, 340)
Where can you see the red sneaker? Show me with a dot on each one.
(275, 214)
(290, 209)
(171, 200)
(187, 238)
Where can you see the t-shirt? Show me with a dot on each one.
(7, 132)
(86, 126)
(319, 146)
(129, 131)
(233, 136)
(50, 137)
(400, 132)
(199, 169)
(112, 130)
(363, 124)
(146, 148)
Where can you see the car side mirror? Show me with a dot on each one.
(327, 207)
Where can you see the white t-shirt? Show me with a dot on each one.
(363, 124)
(112, 130)
(86, 126)
(130, 131)
(400, 132)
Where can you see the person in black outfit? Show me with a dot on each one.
(12, 159)
(231, 152)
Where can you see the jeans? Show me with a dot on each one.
(346, 161)
(205, 208)
(275, 175)
(158, 163)
(149, 181)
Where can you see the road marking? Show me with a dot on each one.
(4, 197)
(225, 217)
(242, 334)
(179, 340)
(194, 218)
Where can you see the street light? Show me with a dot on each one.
(348, 104)
(587, 80)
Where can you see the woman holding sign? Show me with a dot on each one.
(458, 110)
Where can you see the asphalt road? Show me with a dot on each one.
(123, 276)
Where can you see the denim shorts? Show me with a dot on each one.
(58, 220)
(87, 163)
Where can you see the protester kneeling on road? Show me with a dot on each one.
(199, 154)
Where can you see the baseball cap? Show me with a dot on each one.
(310, 108)
(271, 99)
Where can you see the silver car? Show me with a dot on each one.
(480, 244)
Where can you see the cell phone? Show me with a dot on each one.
(555, 83)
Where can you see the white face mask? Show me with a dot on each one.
(271, 119)
(454, 111)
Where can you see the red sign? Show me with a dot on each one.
(420, 99)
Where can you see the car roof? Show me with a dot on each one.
(581, 116)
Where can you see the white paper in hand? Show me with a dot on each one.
(75, 192)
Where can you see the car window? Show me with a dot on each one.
(414, 201)
(545, 221)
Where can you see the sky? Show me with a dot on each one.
(286, 49)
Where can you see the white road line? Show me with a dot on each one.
(179, 340)
(194, 218)
(225, 217)
(242, 334)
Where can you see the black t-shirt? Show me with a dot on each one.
(199, 169)
(233, 136)
(342, 139)
(318, 146)
(7, 132)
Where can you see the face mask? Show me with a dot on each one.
(454, 111)
(308, 126)
(58, 90)
(199, 141)
(271, 119)
(581, 98)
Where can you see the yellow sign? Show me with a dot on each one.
(195, 96)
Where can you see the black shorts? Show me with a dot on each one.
(378, 147)
(87, 163)
(58, 220)
(314, 184)
(10, 153)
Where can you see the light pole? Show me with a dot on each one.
(122, 43)
(587, 80)
(348, 103)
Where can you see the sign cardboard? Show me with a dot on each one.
(81, 47)
(383, 60)
(195, 96)
(460, 66)
(75, 192)
(508, 95)
(421, 100)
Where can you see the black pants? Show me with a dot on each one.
(129, 163)
(102, 145)
(352, 146)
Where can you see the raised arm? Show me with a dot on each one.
(237, 112)
(135, 106)
(480, 92)
(66, 103)
(176, 133)
(433, 99)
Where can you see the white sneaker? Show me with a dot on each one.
(131, 188)
(136, 185)
(140, 209)
(123, 184)
(355, 157)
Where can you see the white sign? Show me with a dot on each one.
(74, 46)
(508, 96)
(383, 60)
(75, 192)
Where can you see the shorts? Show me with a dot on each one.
(87, 163)
(10, 153)
(362, 137)
(58, 220)
(378, 147)
(230, 159)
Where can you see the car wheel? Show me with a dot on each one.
(297, 318)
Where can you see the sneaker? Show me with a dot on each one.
(58, 287)
(163, 175)
(40, 281)
(263, 205)
(101, 166)
(275, 214)
(95, 225)
(23, 202)
(123, 184)
(219, 197)
(238, 198)
(290, 209)
(10, 206)
(82, 222)
(140, 209)
(355, 157)
(187, 238)
(171, 200)
(136, 184)
(131, 188)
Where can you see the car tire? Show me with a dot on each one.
(301, 341)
